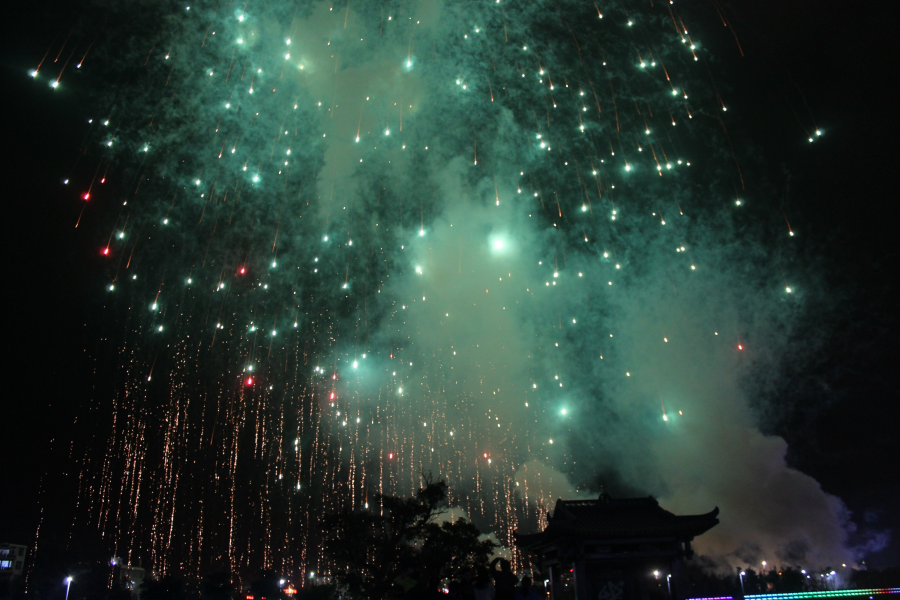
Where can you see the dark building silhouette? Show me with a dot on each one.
(12, 561)
(615, 549)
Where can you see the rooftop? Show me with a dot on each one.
(607, 518)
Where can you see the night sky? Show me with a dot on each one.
(836, 405)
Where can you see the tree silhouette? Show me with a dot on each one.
(217, 586)
(372, 549)
(167, 588)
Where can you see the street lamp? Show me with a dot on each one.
(68, 585)
(742, 582)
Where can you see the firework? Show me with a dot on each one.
(350, 244)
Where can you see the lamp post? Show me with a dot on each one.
(742, 582)
(68, 585)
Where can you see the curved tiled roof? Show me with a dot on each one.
(624, 518)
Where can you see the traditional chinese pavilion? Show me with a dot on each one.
(615, 549)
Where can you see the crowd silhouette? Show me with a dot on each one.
(494, 582)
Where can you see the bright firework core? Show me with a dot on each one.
(579, 312)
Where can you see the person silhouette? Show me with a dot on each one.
(505, 580)
(526, 591)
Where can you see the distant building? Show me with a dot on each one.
(615, 549)
(12, 561)
(130, 577)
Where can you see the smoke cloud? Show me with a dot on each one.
(667, 413)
